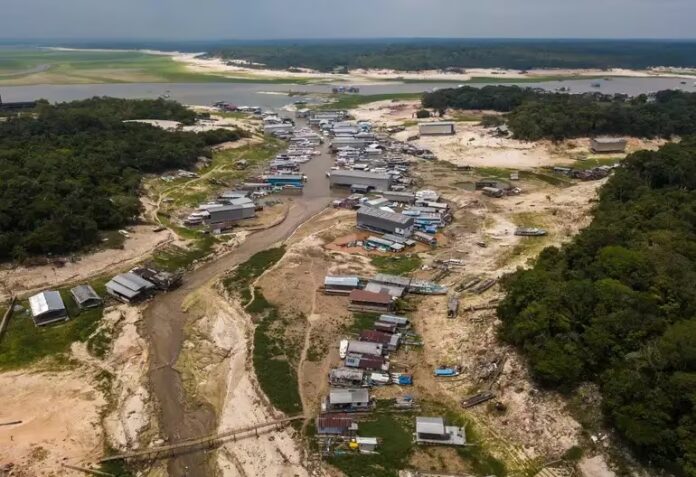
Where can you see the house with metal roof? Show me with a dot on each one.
(340, 285)
(85, 297)
(47, 307)
(400, 321)
(361, 300)
(394, 291)
(385, 222)
(129, 287)
(372, 180)
(350, 377)
(388, 340)
(366, 362)
(336, 425)
(433, 431)
(367, 348)
(347, 400)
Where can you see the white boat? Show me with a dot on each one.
(343, 349)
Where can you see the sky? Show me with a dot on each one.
(272, 19)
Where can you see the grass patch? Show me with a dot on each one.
(396, 444)
(351, 101)
(362, 321)
(24, 343)
(497, 172)
(242, 277)
(554, 180)
(176, 258)
(112, 239)
(276, 376)
(592, 162)
(397, 265)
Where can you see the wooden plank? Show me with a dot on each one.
(6, 317)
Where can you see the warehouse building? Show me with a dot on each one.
(371, 180)
(47, 307)
(226, 215)
(608, 144)
(436, 128)
(384, 222)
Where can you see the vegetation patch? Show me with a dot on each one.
(395, 435)
(24, 343)
(397, 265)
(244, 275)
(352, 101)
(613, 307)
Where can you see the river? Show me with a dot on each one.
(164, 323)
(275, 95)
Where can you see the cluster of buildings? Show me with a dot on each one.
(48, 306)
(140, 283)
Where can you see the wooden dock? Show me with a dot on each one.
(199, 443)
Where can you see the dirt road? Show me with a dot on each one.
(165, 321)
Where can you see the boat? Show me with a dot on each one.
(447, 372)
(530, 232)
(343, 349)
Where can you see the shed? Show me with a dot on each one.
(436, 128)
(85, 297)
(366, 445)
(400, 321)
(47, 307)
(129, 287)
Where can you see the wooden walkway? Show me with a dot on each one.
(199, 443)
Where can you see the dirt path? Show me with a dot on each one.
(164, 323)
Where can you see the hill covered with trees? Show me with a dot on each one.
(426, 54)
(534, 114)
(617, 306)
(74, 169)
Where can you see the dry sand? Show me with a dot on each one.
(218, 66)
(60, 421)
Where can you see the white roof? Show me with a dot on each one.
(348, 396)
(341, 281)
(430, 425)
(366, 441)
(45, 301)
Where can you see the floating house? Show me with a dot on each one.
(47, 307)
(336, 285)
(361, 300)
(368, 363)
(384, 222)
(336, 425)
(347, 400)
(433, 431)
(350, 377)
(85, 297)
(365, 348)
(370, 180)
(129, 287)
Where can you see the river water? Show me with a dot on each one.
(275, 95)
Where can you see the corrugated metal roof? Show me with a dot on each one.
(46, 301)
(369, 297)
(348, 396)
(392, 279)
(334, 422)
(341, 281)
(391, 290)
(83, 293)
(360, 175)
(430, 425)
(384, 215)
(121, 290)
(347, 373)
(132, 282)
(364, 347)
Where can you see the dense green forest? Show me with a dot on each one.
(421, 54)
(74, 169)
(617, 306)
(534, 114)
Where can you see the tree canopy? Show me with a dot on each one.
(73, 169)
(535, 114)
(617, 306)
